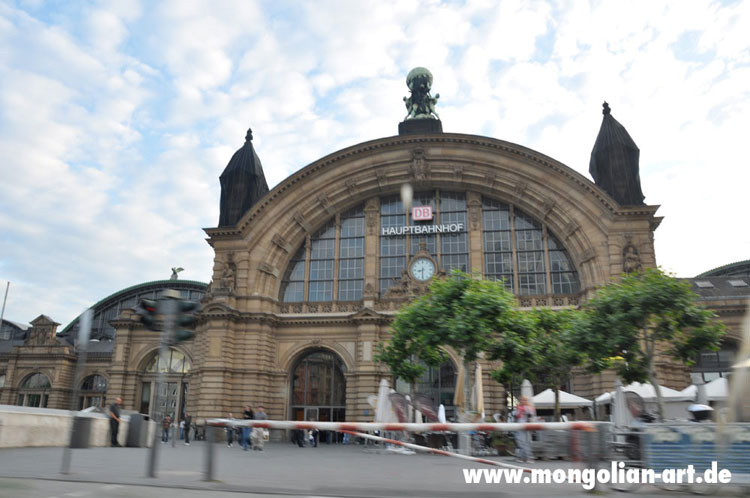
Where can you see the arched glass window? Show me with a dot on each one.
(176, 363)
(33, 391)
(322, 255)
(293, 286)
(522, 252)
(437, 384)
(93, 392)
(451, 249)
(351, 276)
(335, 259)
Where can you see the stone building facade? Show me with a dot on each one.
(308, 276)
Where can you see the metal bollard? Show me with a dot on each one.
(210, 436)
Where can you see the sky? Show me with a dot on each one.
(117, 118)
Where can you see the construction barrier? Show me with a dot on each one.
(361, 428)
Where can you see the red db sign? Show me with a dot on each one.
(421, 213)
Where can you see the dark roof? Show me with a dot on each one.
(7, 346)
(242, 184)
(111, 306)
(737, 269)
(13, 329)
(614, 162)
(709, 288)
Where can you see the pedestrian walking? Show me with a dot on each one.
(246, 415)
(182, 429)
(166, 422)
(259, 434)
(230, 431)
(114, 421)
(524, 413)
(187, 421)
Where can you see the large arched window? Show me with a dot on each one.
(522, 252)
(336, 261)
(515, 247)
(34, 391)
(93, 392)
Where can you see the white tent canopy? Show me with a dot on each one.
(647, 392)
(546, 399)
(716, 390)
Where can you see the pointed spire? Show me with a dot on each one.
(242, 183)
(614, 162)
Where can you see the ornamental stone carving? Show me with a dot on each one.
(372, 217)
(420, 169)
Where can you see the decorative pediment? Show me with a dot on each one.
(366, 314)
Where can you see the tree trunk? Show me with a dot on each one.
(467, 386)
(652, 379)
(557, 403)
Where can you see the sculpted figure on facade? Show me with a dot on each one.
(631, 260)
(228, 280)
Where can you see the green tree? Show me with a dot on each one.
(641, 317)
(465, 313)
(545, 352)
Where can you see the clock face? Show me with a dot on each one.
(422, 269)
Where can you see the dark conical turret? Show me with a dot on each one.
(242, 184)
(614, 162)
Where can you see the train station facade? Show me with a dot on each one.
(308, 276)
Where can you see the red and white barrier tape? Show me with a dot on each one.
(373, 426)
(436, 451)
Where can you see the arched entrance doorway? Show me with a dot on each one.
(318, 387)
(174, 391)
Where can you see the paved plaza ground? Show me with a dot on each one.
(281, 470)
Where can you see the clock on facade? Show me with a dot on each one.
(422, 269)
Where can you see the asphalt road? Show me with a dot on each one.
(281, 470)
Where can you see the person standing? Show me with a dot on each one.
(187, 421)
(230, 431)
(114, 421)
(165, 423)
(247, 415)
(524, 413)
(259, 433)
(182, 429)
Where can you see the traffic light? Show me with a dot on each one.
(148, 309)
(185, 318)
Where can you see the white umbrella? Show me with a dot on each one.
(383, 409)
(458, 397)
(441, 414)
(702, 397)
(620, 413)
(479, 391)
(527, 389)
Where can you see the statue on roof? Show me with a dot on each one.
(420, 104)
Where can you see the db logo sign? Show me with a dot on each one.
(421, 213)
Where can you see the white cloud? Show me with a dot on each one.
(117, 119)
